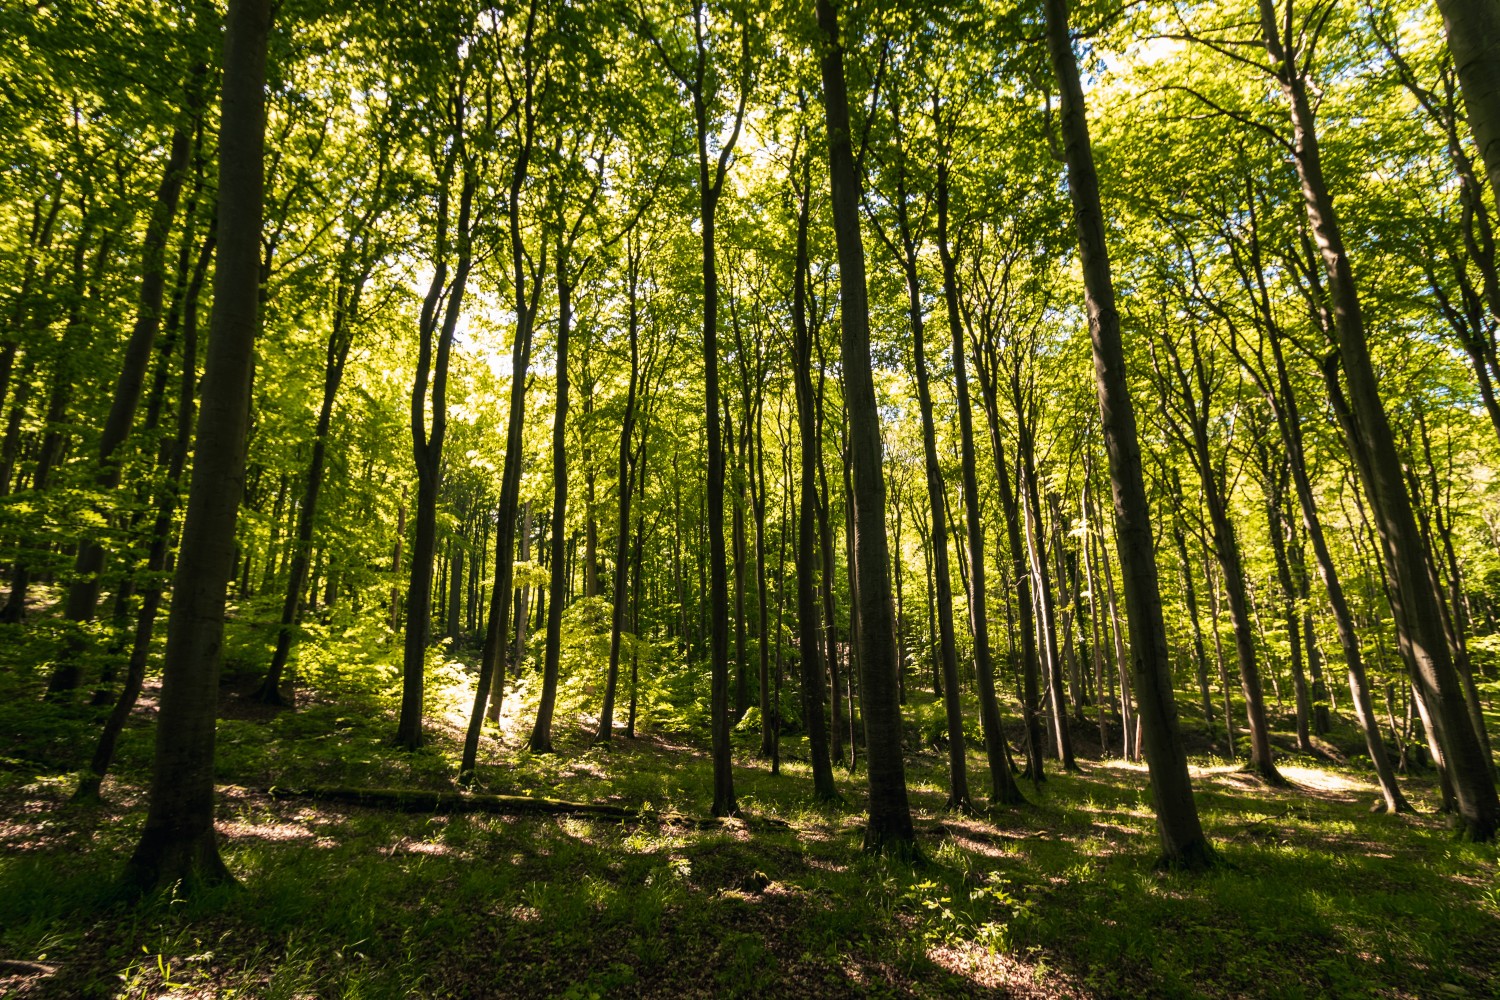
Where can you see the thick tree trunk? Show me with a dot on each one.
(889, 826)
(1474, 39)
(1414, 603)
(177, 844)
(1182, 839)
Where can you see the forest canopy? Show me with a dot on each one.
(949, 445)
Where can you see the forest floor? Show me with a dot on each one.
(1316, 896)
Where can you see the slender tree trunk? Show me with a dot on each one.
(1277, 526)
(1182, 840)
(625, 471)
(340, 339)
(958, 780)
(439, 317)
(809, 614)
(737, 450)
(558, 589)
(1009, 500)
(1003, 787)
(1190, 593)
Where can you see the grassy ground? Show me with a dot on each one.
(1316, 897)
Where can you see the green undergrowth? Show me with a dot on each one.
(1315, 896)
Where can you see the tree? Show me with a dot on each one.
(889, 826)
(177, 843)
(1182, 840)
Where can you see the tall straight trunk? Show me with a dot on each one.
(635, 603)
(1182, 839)
(958, 779)
(1320, 694)
(1277, 527)
(1046, 609)
(625, 472)
(1236, 594)
(829, 572)
(769, 715)
(1090, 534)
(737, 448)
(1414, 603)
(453, 618)
(851, 648)
(900, 612)
(1009, 501)
(439, 320)
(558, 584)
(889, 826)
(932, 642)
(1214, 606)
(523, 617)
(1003, 787)
(712, 170)
(809, 612)
(1190, 595)
(788, 514)
(177, 844)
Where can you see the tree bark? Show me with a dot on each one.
(177, 844)
(1182, 840)
(1414, 603)
(889, 826)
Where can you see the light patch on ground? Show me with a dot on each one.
(1007, 975)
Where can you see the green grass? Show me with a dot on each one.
(1316, 896)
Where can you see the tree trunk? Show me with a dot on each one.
(958, 780)
(439, 317)
(1182, 840)
(557, 587)
(1474, 40)
(177, 844)
(1414, 603)
(809, 614)
(889, 826)
(1003, 787)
